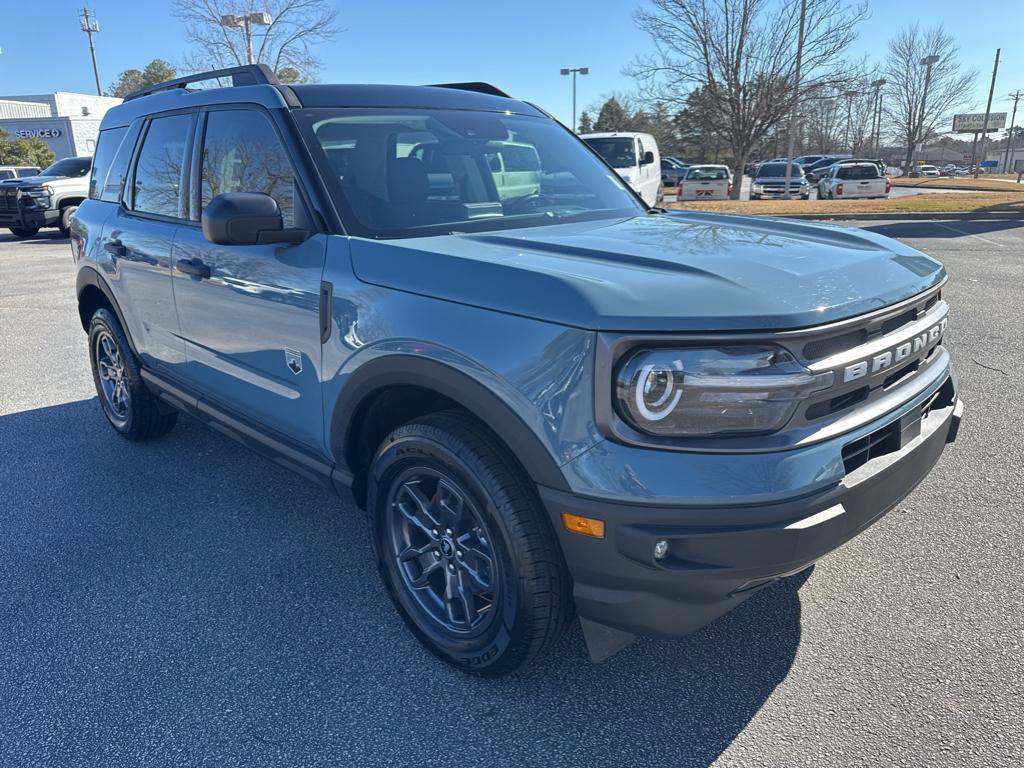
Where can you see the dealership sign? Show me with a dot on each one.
(38, 133)
(975, 122)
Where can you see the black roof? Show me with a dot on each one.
(411, 96)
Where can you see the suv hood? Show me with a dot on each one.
(685, 271)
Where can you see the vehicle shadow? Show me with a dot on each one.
(946, 229)
(47, 236)
(184, 600)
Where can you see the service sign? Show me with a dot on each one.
(38, 133)
(975, 122)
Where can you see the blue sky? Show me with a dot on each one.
(519, 46)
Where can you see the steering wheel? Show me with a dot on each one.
(527, 202)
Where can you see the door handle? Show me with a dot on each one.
(116, 248)
(194, 267)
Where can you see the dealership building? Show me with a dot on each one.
(68, 122)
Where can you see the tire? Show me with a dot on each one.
(24, 232)
(64, 222)
(129, 406)
(755, 197)
(499, 552)
(806, 197)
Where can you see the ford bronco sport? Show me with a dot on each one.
(550, 399)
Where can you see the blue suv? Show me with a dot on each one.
(551, 399)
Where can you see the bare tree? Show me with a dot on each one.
(741, 52)
(285, 43)
(948, 85)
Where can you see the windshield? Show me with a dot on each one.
(707, 173)
(415, 172)
(69, 166)
(857, 172)
(778, 170)
(618, 152)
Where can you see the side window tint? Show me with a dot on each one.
(157, 187)
(106, 149)
(110, 191)
(241, 153)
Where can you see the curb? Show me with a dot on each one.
(896, 216)
(1020, 188)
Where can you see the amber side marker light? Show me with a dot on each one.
(586, 526)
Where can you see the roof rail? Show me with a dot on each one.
(248, 74)
(478, 87)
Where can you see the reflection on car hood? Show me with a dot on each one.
(33, 181)
(667, 272)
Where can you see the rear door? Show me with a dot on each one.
(250, 313)
(138, 236)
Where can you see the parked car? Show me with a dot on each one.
(927, 171)
(853, 180)
(816, 175)
(559, 401)
(671, 172)
(48, 199)
(634, 156)
(813, 170)
(770, 181)
(807, 160)
(17, 171)
(706, 182)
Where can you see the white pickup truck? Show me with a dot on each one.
(853, 180)
(705, 182)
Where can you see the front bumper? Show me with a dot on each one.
(720, 555)
(28, 217)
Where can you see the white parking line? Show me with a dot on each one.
(967, 234)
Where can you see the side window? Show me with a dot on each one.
(157, 185)
(242, 153)
(110, 192)
(106, 149)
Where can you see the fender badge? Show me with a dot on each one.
(293, 360)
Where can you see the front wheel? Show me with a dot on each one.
(464, 546)
(24, 232)
(65, 219)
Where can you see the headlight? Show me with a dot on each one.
(756, 188)
(705, 391)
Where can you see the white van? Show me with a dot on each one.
(635, 157)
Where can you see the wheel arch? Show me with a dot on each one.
(389, 391)
(93, 293)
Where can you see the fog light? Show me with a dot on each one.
(660, 549)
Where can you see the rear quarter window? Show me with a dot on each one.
(106, 149)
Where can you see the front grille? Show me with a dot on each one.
(877, 444)
(9, 201)
(817, 350)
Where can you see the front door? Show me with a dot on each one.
(251, 323)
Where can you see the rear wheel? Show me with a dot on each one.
(464, 546)
(129, 406)
(24, 232)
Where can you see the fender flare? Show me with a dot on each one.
(89, 276)
(401, 369)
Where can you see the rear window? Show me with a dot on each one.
(857, 172)
(72, 167)
(106, 149)
(711, 174)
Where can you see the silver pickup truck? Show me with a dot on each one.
(47, 200)
(853, 180)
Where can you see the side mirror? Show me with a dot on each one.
(247, 218)
(648, 158)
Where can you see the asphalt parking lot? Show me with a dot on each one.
(185, 602)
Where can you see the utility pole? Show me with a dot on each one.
(796, 99)
(575, 71)
(90, 25)
(988, 111)
(876, 121)
(1009, 135)
(927, 62)
(850, 95)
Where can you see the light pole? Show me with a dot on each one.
(1009, 134)
(575, 71)
(91, 25)
(246, 22)
(850, 95)
(988, 111)
(876, 120)
(927, 62)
